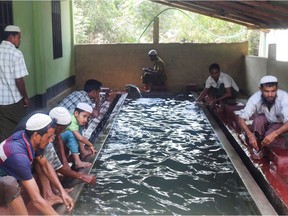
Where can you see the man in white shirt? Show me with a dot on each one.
(218, 87)
(13, 95)
(269, 106)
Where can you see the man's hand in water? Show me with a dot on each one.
(253, 142)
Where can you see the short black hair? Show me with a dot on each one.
(5, 34)
(269, 84)
(91, 85)
(214, 66)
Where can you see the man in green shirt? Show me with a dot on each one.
(156, 75)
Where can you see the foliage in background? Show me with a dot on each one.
(124, 21)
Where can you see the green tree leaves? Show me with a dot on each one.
(127, 21)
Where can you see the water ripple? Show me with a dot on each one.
(163, 158)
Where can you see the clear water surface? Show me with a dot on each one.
(163, 158)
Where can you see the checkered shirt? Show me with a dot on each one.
(70, 102)
(12, 66)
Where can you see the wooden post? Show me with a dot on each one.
(156, 31)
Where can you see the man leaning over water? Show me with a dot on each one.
(18, 152)
(90, 95)
(269, 106)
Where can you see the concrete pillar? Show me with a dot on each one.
(272, 51)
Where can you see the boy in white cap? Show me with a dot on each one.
(269, 105)
(156, 75)
(73, 138)
(13, 95)
(19, 151)
(63, 120)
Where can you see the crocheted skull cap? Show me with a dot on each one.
(12, 28)
(268, 79)
(38, 121)
(61, 115)
(85, 107)
(152, 52)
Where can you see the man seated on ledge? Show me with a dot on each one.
(219, 87)
(269, 106)
(156, 75)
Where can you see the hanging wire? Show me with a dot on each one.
(198, 24)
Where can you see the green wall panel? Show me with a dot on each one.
(35, 21)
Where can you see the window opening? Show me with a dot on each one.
(56, 29)
(6, 15)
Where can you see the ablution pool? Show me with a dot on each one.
(162, 157)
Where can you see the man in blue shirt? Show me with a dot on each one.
(18, 152)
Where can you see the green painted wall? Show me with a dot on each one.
(35, 21)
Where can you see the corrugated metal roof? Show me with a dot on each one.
(253, 14)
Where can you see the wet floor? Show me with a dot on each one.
(163, 158)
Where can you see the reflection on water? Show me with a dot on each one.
(163, 158)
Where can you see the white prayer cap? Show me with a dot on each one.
(152, 52)
(38, 121)
(85, 107)
(268, 79)
(61, 115)
(12, 28)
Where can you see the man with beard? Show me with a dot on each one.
(269, 106)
